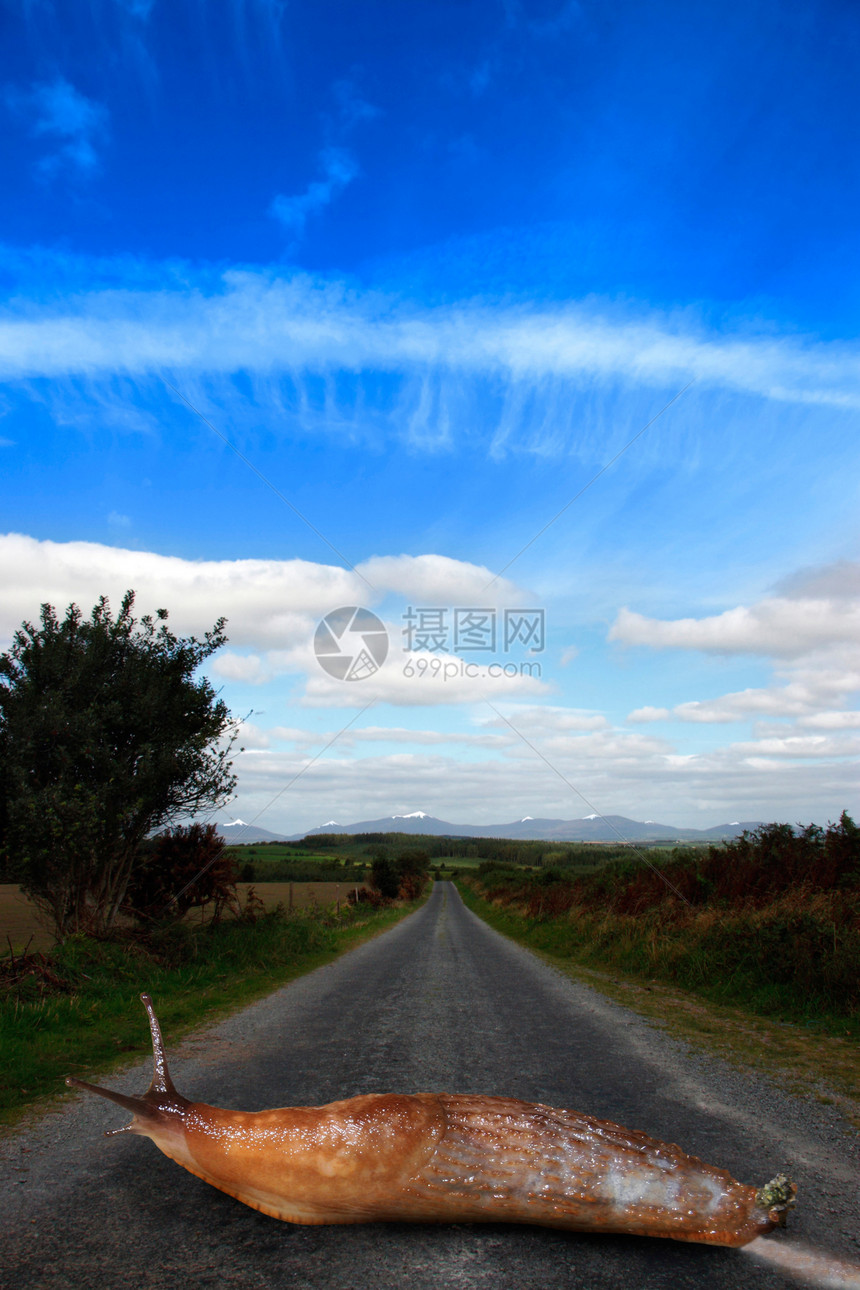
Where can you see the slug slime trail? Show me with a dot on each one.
(811, 1266)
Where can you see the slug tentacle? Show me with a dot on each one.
(440, 1157)
(161, 1106)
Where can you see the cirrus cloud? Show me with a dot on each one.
(265, 323)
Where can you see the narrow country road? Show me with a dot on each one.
(440, 1002)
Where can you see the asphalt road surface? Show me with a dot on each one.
(439, 1003)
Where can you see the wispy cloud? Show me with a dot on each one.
(266, 324)
(339, 168)
(337, 164)
(139, 9)
(352, 109)
(72, 123)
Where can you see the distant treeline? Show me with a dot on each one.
(277, 861)
(259, 869)
(532, 853)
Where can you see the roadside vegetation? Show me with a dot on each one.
(192, 936)
(769, 922)
(109, 738)
(75, 1010)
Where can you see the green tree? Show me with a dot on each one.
(105, 736)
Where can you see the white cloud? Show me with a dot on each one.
(400, 734)
(417, 679)
(800, 746)
(247, 668)
(314, 739)
(272, 607)
(547, 719)
(782, 775)
(780, 701)
(816, 677)
(831, 720)
(268, 603)
(838, 580)
(785, 626)
(778, 628)
(439, 580)
(804, 768)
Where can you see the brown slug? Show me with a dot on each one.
(440, 1157)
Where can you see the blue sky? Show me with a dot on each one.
(429, 271)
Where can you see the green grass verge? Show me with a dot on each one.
(801, 1059)
(737, 959)
(89, 1018)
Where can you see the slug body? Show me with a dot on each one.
(449, 1158)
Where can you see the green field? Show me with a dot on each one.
(335, 852)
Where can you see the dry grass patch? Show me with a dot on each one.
(20, 921)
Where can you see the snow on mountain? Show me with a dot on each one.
(591, 828)
(237, 832)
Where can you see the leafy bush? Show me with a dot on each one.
(183, 869)
(384, 877)
(412, 868)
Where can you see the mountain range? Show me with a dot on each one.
(590, 828)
